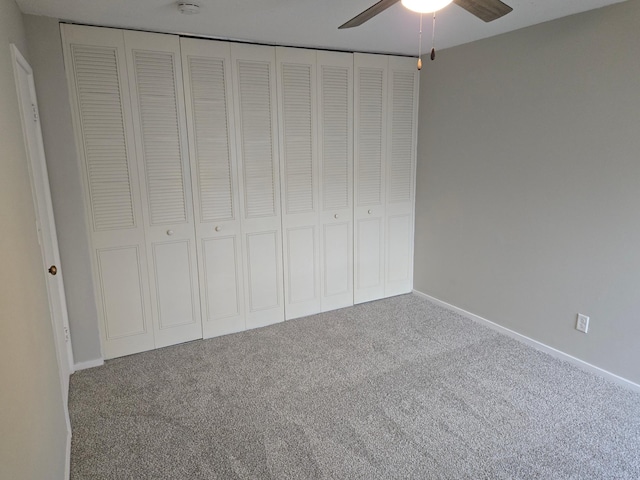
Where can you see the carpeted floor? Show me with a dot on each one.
(398, 388)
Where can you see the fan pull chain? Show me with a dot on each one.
(420, 45)
(433, 38)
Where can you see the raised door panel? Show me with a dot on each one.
(401, 165)
(369, 272)
(296, 72)
(337, 248)
(399, 259)
(253, 70)
(127, 326)
(211, 128)
(178, 320)
(222, 285)
(264, 293)
(301, 253)
(155, 81)
(335, 155)
(95, 60)
(370, 152)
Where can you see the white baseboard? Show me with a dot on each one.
(535, 344)
(67, 464)
(89, 364)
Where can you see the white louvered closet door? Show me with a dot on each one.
(401, 167)
(297, 97)
(208, 94)
(335, 154)
(253, 69)
(155, 81)
(370, 150)
(97, 73)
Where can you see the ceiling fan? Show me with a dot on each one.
(487, 10)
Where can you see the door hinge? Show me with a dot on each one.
(35, 113)
(66, 334)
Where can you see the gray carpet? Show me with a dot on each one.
(398, 388)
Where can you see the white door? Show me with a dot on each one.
(95, 60)
(297, 97)
(155, 82)
(370, 149)
(335, 154)
(208, 97)
(44, 217)
(401, 165)
(254, 79)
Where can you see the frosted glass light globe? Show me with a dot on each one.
(425, 6)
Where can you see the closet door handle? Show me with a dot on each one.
(217, 229)
(169, 232)
(336, 216)
(369, 211)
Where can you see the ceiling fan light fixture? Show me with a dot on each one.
(425, 6)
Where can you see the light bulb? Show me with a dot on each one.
(425, 6)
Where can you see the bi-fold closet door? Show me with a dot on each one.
(315, 135)
(254, 81)
(402, 139)
(231, 115)
(211, 127)
(128, 111)
(386, 106)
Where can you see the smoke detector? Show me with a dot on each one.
(188, 8)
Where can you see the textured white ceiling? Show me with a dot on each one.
(308, 23)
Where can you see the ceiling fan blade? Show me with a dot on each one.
(369, 13)
(487, 10)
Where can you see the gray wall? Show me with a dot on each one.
(45, 48)
(528, 188)
(32, 421)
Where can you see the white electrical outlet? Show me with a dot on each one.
(582, 324)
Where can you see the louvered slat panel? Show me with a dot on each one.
(256, 133)
(401, 162)
(370, 136)
(103, 132)
(155, 81)
(209, 105)
(296, 87)
(335, 129)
